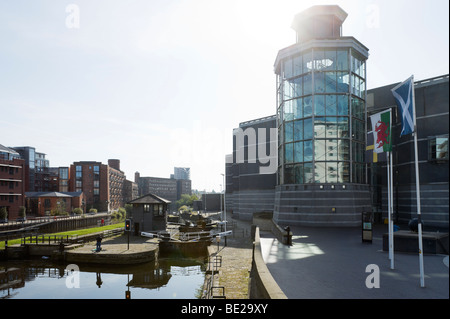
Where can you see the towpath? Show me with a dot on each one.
(234, 272)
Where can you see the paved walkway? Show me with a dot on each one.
(236, 261)
(331, 263)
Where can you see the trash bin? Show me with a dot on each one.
(367, 227)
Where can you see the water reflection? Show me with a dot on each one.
(37, 279)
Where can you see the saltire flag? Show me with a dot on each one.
(404, 97)
(381, 127)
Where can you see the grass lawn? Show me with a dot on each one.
(77, 232)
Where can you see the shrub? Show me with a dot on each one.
(77, 211)
(93, 210)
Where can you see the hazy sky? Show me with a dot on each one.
(162, 83)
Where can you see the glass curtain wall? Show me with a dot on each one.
(321, 117)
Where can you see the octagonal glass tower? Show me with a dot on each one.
(321, 120)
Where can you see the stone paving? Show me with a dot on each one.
(236, 261)
(332, 263)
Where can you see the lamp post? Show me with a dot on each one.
(224, 206)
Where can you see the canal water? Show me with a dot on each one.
(168, 278)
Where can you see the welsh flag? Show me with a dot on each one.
(381, 126)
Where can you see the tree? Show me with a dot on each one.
(22, 212)
(187, 200)
(3, 213)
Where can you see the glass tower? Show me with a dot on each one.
(321, 115)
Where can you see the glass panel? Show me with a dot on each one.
(288, 132)
(307, 84)
(355, 85)
(342, 60)
(280, 115)
(319, 105)
(307, 63)
(441, 148)
(344, 149)
(342, 127)
(319, 127)
(319, 172)
(331, 128)
(298, 171)
(298, 130)
(288, 152)
(297, 87)
(332, 150)
(330, 58)
(357, 173)
(357, 108)
(319, 60)
(288, 111)
(280, 155)
(287, 68)
(330, 102)
(343, 82)
(307, 128)
(308, 172)
(298, 152)
(298, 65)
(289, 177)
(280, 136)
(343, 172)
(287, 89)
(319, 150)
(298, 108)
(330, 82)
(307, 106)
(319, 82)
(357, 130)
(332, 172)
(307, 152)
(357, 152)
(280, 94)
(362, 88)
(342, 101)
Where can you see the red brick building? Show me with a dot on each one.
(101, 184)
(43, 203)
(12, 177)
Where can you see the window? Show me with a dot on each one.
(438, 148)
(288, 131)
(288, 152)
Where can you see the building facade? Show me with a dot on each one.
(103, 185)
(432, 117)
(247, 190)
(182, 173)
(321, 121)
(44, 203)
(168, 188)
(130, 191)
(149, 213)
(12, 181)
(37, 175)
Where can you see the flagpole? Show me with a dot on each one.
(391, 257)
(392, 208)
(419, 215)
